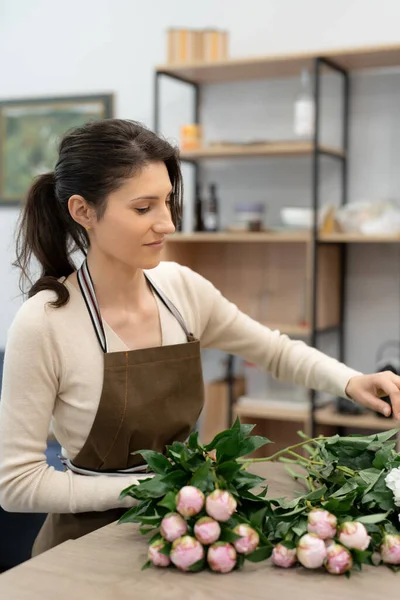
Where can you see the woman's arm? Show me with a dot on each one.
(32, 374)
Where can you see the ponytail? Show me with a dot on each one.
(45, 231)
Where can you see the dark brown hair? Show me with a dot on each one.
(94, 160)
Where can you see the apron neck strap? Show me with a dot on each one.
(171, 307)
(89, 295)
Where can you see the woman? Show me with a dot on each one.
(110, 354)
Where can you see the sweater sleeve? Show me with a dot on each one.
(223, 326)
(32, 372)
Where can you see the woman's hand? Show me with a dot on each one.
(367, 389)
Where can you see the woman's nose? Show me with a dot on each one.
(165, 224)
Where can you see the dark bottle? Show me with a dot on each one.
(198, 210)
(211, 211)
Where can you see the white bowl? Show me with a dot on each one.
(300, 218)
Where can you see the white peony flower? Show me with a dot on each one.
(392, 481)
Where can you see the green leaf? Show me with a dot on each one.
(174, 479)
(257, 518)
(246, 429)
(220, 436)
(166, 549)
(228, 469)
(247, 480)
(390, 528)
(260, 554)
(361, 556)
(394, 568)
(290, 545)
(198, 566)
(301, 528)
(228, 448)
(156, 461)
(129, 491)
(155, 537)
(203, 478)
(295, 511)
(251, 444)
(236, 425)
(370, 476)
(194, 443)
(239, 561)
(169, 501)
(383, 456)
(386, 435)
(317, 494)
(372, 519)
(282, 529)
(253, 497)
(340, 506)
(349, 486)
(380, 495)
(150, 488)
(130, 516)
(146, 565)
(177, 451)
(227, 535)
(146, 529)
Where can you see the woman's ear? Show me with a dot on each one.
(81, 212)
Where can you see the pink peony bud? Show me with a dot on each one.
(338, 559)
(390, 549)
(284, 557)
(354, 535)
(189, 501)
(220, 505)
(155, 556)
(185, 552)
(322, 523)
(172, 527)
(311, 551)
(207, 531)
(249, 540)
(221, 557)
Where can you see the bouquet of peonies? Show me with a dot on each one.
(206, 510)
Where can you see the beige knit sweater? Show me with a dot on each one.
(53, 374)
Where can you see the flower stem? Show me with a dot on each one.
(284, 451)
(346, 470)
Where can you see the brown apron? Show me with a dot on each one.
(150, 398)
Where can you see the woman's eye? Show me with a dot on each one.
(142, 211)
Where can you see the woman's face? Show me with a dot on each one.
(137, 219)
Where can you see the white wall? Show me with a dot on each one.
(90, 46)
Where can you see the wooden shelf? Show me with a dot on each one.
(288, 236)
(283, 65)
(264, 409)
(328, 416)
(241, 237)
(290, 148)
(296, 411)
(358, 238)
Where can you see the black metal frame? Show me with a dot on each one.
(196, 109)
(319, 64)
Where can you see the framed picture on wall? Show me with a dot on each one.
(30, 132)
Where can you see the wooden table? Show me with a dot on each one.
(106, 565)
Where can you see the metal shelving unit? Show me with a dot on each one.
(341, 62)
